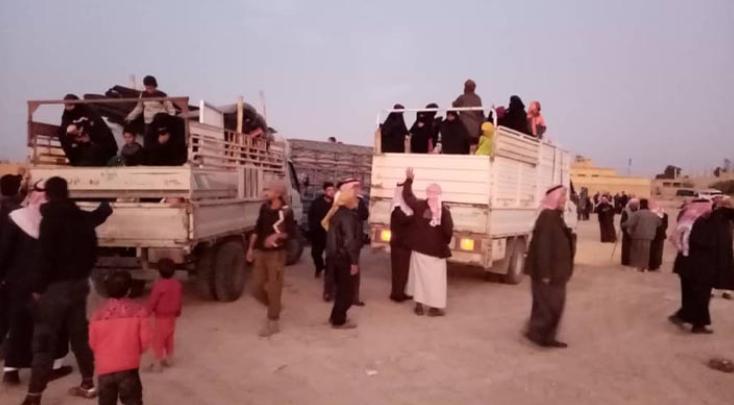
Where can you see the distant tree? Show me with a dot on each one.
(726, 186)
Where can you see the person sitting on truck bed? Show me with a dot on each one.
(454, 138)
(424, 132)
(166, 152)
(81, 149)
(536, 122)
(472, 120)
(99, 133)
(394, 132)
(150, 109)
(132, 152)
(515, 117)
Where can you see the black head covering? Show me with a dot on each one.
(71, 97)
(516, 103)
(150, 81)
(10, 184)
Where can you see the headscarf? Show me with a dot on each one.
(552, 198)
(630, 203)
(399, 202)
(29, 217)
(692, 212)
(343, 198)
(535, 118)
(501, 111)
(435, 203)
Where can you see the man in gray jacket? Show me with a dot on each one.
(642, 226)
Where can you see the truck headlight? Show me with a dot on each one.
(385, 235)
(466, 244)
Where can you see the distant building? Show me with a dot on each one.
(606, 180)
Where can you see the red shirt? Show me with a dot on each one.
(118, 335)
(165, 299)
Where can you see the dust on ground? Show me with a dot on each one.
(622, 349)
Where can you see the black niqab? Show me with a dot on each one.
(393, 132)
(516, 118)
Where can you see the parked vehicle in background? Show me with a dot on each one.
(686, 192)
(709, 194)
(494, 199)
(197, 216)
(318, 162)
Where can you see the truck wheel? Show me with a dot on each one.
(205, 272)
(294, 250)
(229, 271)
(517, 263)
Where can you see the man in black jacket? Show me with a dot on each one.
(343, 245)
(363, 213)
(68, 252)
(316, 213)
(9, 202)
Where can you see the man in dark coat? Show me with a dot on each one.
(550, 265)
(709, 264)
(316, 213)
(9, 202)
(67, 254)
(472, 120)
(363, 213)
(401, 218)
(343, 246)
(605, 213)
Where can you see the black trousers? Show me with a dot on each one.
(62, 304)
(400, 262)
(345, 284)
(124, 385)
(549, 301)
(695, 300)
(4, 315)
(656, 254)
(318, 244)
(19, 348)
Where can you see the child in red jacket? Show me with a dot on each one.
(165, 304)
(118, 335)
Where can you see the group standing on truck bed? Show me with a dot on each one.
(461, 132)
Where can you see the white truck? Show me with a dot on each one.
(197, 215)
(493, 200)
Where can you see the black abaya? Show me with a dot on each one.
(393, 132)
(606, 223)
(658, 245)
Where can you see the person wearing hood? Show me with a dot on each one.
(18, 249)
(536, 122)
(642, 227)
(167, 152)
(516, 118)
(454, 139)
(632, 206)
(67, 253)
(472, 120)
(401, 217)
(343, 247)
(486, 141)
(82, 150)
(429, 236)
(661, 234)
(605, 212)
(150, 109)
(549, 264)
(78, 116)
(424, 132)
(705, 261)
(394, 132)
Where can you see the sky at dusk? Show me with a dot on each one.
(651, 81)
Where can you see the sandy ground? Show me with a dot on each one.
(623, 351)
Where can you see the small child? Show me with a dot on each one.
(165, 304)
(486, 140)
(132, 152)
(118, 335)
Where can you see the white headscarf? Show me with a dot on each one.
(399, 202)
(29, 217)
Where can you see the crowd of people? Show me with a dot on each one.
(461, 132)
(88, 141)
(48, 248)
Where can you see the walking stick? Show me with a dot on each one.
(619, 235)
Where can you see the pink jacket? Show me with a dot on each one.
(119, 335)
(165, 299)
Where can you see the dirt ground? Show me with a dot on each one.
(622, 349)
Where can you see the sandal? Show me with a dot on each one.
(723, 365)
(436, 312)
(419, 310)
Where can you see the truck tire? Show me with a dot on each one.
(205, 272)
(294, 250)
(516, 265)
(229, 270)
